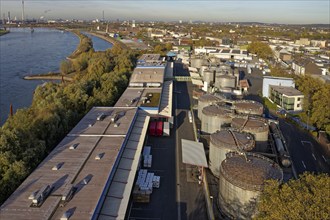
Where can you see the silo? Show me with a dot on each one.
(225, 81)
(248, 107)
(225, 141)
(208, 76)
(196, 62)
(242, 178)
(215, 116)
(204, 101)
(254, 125)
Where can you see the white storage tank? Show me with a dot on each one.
(248, 107)
(225, 141)
(242, 178)
(225, 81)
(215, 116)
(196, 62)
(206, 100)
(255, 125)
(208, 76)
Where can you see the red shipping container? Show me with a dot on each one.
(159, 130)
(152, 128)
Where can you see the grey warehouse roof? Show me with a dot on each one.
(96, 157)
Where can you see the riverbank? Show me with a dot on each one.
(48, 76)
(109, 39)
(3, 32)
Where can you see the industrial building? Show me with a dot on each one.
(90, 173)
(275, 81)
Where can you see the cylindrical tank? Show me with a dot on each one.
(248, 107)
(256, 126)
(196, 62)
(242, 178)
(215, 116)
(225, 141)
(208, 76)
(225, 81)
(204, 101)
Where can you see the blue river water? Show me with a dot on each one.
(23, 52)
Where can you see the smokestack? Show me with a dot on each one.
(8, 17)
(22, 11)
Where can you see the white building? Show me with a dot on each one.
(275, 81)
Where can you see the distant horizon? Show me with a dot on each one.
(294, 12)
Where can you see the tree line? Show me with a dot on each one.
(31, 134)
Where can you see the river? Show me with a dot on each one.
(23, 52)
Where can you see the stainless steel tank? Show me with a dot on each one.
(214, 117)
(242, 178)
(225, 141)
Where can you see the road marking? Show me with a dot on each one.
(307, 142)
(303, 164)
(324, 158)
(314, 156)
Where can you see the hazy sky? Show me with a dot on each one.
(280, 11)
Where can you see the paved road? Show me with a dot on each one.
(306, 153)
(191, 197)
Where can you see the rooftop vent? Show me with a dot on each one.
(114, 117)
(57, 166)
(73, 146)
(99, 156)
(100, 117)
(33, 195)
(41, 196)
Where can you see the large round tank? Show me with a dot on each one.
(196, 62)
(225, 141)
(248, 107)
(225, 81)
(215, 116)
(256, 126)
(242, 178)
(208, 76)
(204, 101)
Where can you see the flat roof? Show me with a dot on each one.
(149, 57)
(148, 75)
(286, 90)
(136, 94)
(197, 82)
(193, 153)
(101, 139)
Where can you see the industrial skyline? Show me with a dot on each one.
(286, 12)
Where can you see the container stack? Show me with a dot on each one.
(144, 185)
(147, 157)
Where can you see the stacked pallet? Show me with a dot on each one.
(144, 186)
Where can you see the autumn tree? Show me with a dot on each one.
(305, 198)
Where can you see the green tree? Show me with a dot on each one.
(66, 67)
(261, 49)
(305, 198)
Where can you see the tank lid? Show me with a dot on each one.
(233, 139)
(250, 123)
(247, 104)
(208, 97)
(217, 110)
(250, 171)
